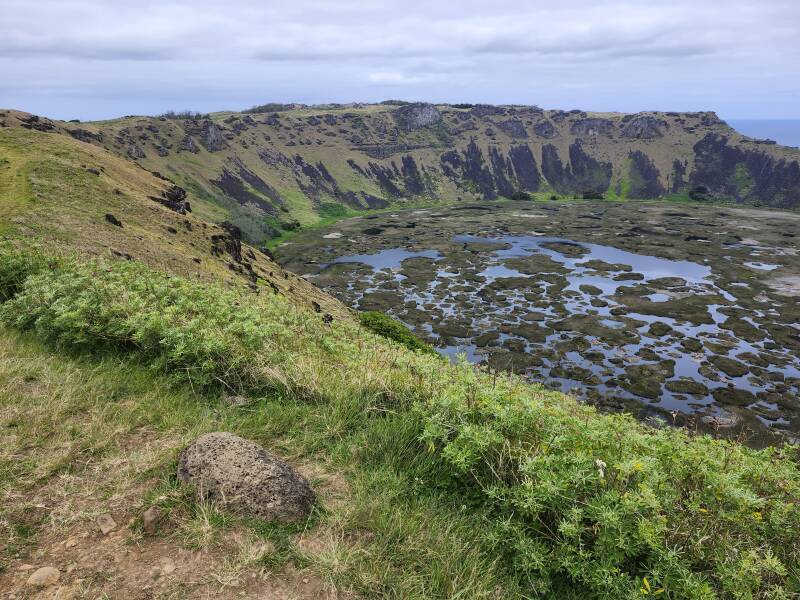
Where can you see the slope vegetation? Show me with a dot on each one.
(66, 196)
(268, 170)
(565, 502)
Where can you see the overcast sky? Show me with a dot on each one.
(103, 58)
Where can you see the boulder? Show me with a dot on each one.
(244, 478)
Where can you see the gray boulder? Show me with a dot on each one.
(244, 478)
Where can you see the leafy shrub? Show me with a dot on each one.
(269, 107)
(576, 504)
(592, 195)
(15, 268)
(390, 328)
(293, 225)
(332, 210)
(183, 115)
(699, 193)
(520, 195)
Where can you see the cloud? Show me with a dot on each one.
(630, 54)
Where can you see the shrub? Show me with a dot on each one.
(184, 115)
(392, 329)
(521, 196)
(269, 107)
(15, 268)
(574, 503)
(699, 193)
(332, 210)
(290, 225)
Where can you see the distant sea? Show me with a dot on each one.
(784, 131)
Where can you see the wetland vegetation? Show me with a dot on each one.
(684, 314)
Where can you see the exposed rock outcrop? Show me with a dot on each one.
(744, 174)
(416, 116)
(644, 127)
(592, 127)
(513, 128)
(644, 177)
(84, 135)
(174, 198)
(545, 129)
(187, 145)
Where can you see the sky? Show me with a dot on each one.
(96, 59)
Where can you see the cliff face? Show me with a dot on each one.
(264, 170)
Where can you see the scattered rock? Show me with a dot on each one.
(44, 577)
(150, 520)
(113, 220)
(106, 523)
(245, 478)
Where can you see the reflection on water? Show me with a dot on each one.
(597, 321)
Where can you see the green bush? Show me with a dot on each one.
(521, 196)
(575, 504)
(15, 268)
(390, 328)
(592, 195)
(332, 210)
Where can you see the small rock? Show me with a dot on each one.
(113, 220)
(106, 524)
(25, 567)
(71, 543)
(167, 566)
(150, 520)
(44, 577)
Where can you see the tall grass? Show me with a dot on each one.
(571, 502)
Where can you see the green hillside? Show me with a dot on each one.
(434, 480)
(278, 167)
(66, 197)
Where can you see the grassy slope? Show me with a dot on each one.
(451, 483)
(49, 199)
(84, 437)
(334, 144)
(463, 481)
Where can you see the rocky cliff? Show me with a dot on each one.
(270, 170)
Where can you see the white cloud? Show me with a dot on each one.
(623, 54)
